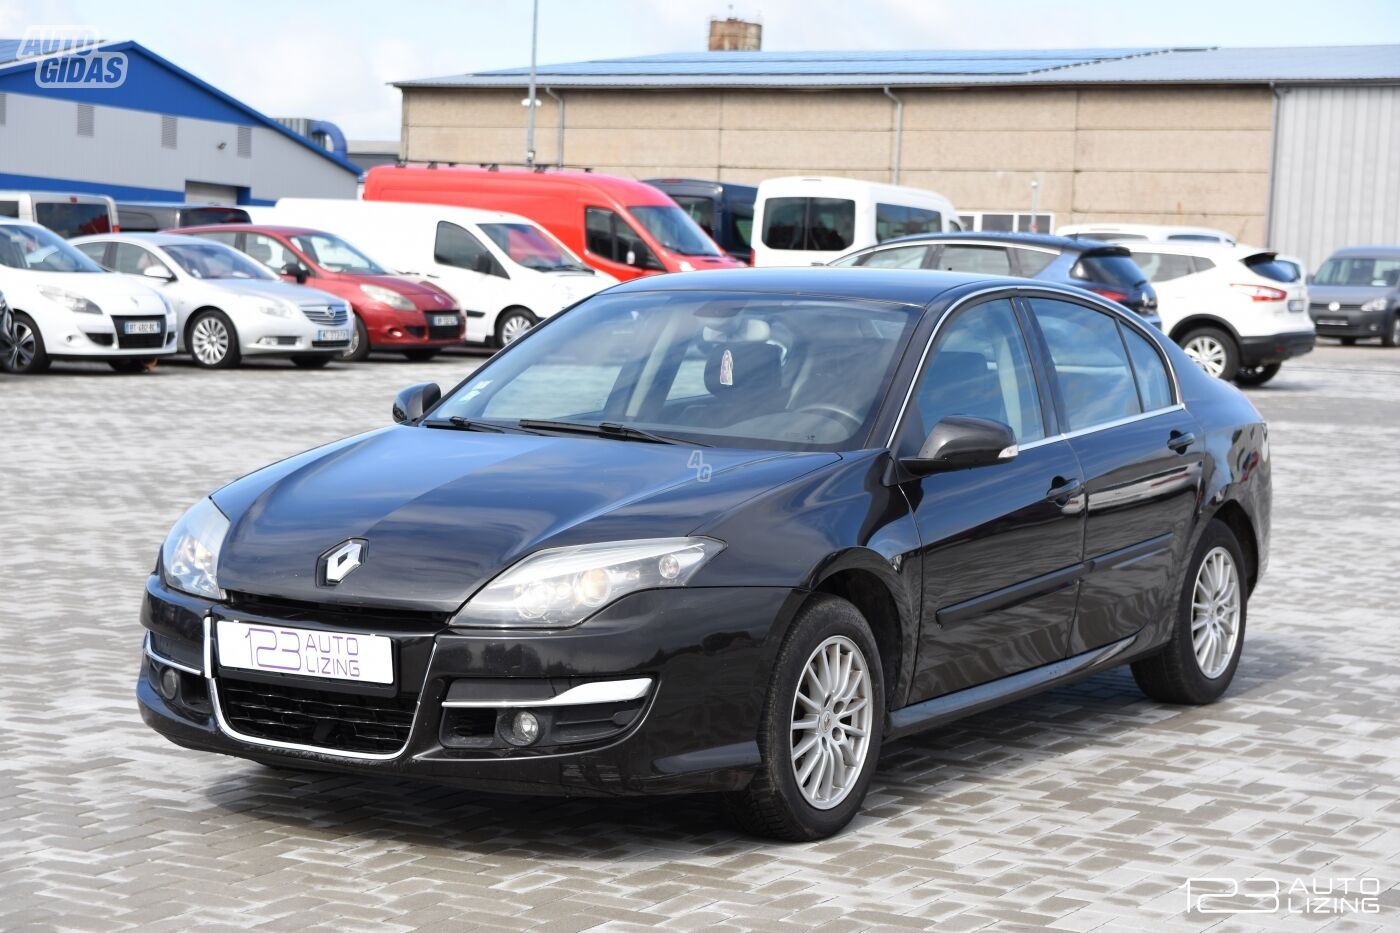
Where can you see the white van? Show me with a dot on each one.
(1155, 233)
(68, 215)
(506, 271)
(808, 221)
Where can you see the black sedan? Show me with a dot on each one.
(724, 532)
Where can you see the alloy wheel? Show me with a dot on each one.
(514, 327)
(831, 722)
(209, 341)
(1215, 612)
(1208, 353)
(22, 350)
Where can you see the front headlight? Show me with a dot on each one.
(189, 559)
(389, 297)
(72, 302)
(1376, 304)
(273, 308)
(563, 586)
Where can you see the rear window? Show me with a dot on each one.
(1271, 267)
(1108, 269)
(70, 220)
(200, 216)
(809, 223)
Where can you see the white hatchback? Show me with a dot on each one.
(1238, 311)
(228, 306)
(65, 306)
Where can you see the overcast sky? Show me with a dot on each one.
(333, 60)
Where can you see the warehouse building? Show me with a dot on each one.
(117, 119)
(1295, 147)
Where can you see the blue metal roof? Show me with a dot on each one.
(954, 67)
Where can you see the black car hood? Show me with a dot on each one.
(444, 511)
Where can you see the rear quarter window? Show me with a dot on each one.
(1110, 269)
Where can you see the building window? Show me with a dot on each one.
(245, 142)
(169, 133)
(85, 119)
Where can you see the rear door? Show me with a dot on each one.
(1141, 458)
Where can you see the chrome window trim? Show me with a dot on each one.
(1053, 293)
(598, 691)
(159, 658)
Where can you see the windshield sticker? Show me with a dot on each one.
(726, 369)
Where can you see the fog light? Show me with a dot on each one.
(525, 728)
(169, 683)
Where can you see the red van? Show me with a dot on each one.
(392, 312)
(623, 227)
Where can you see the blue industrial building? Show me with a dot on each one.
(115, 118)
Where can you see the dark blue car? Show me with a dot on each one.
(1106, 269)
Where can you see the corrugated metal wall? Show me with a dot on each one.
(1336, 170)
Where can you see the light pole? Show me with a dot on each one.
(1035, 192)
(531, 103)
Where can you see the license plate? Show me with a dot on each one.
(332, 335)
(1296, 304)
(277, 649)
(141, 327)
(444, 320)
(1333, 321)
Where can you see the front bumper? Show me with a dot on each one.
(1275, 348)
(106, 338)
(1350, 323)
(269, 335)
(406, 330)
(704, 652)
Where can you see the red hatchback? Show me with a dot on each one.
(392, 312)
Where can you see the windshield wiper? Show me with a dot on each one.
(621, 432)
(457, 422)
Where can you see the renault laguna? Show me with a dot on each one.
(724, 532)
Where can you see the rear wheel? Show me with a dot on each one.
(1199, 662)
(820, 731)
(1257, 375)
(1213, 350)
(27, 355)
(1391, 337)
(133, 365)
(319, 361)
(512, 325)
(359, 341)
(212, 341)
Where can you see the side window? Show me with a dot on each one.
(895, 220)
(983, 260)
(1154, 385)
(1091, 364)
(609, 236)
(269, 252)
(456, 247)
(134, 260)
(896, 257)
(1201, 264)
(9, 209)
(228, 239)
(1163, 267)
(981, 367)
(1033, 261)
(97, 252)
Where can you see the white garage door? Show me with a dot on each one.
(207, 192)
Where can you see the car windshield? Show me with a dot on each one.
(533, 248)
(1362, 271)
(721, 369)
(673, 229)
(216, 261)
(39, 250)
(333, 253)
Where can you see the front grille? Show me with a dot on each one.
(325, 314)
(345, 722)
(1322, 306)
(139, 341)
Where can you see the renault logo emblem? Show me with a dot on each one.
(340, 561)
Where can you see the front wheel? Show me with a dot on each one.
(1257, 375)
(1213, 350)
(212, 341)
(1198, 663)
(1391, 337)
(359, 341)
(27, 354)
(821, 726)
(513, 324)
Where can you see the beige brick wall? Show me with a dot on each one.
(1195, 155)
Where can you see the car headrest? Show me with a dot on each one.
(749, 330)
(746, 369)
(260, 251)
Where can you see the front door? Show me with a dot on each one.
(467, 270)
(1002, 545)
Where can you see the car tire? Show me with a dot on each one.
(1213, 350)
(212, 340)
(28, 356)
(512, 324)
(1181, 673)
(319, 361)
(777, 803)
(1257, 375)
(421, 355)
(1391, 337)
(359, 342)
(133, 365)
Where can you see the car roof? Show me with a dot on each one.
(181, 204)
(284, 229)
(1385, 250)
(1014, 239)
(151, 239)
(915, 287)
(1196, 248)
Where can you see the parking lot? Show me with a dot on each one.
(1085, 808)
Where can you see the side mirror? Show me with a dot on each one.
(631, 258)
(411, 403)
(158, 272)
(959, 442)
(297, 271)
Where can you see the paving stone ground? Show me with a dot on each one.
(1083, 809)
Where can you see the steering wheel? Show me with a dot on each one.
(835, 413)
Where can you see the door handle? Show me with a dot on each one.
(1180, 440)
(1063, 491)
